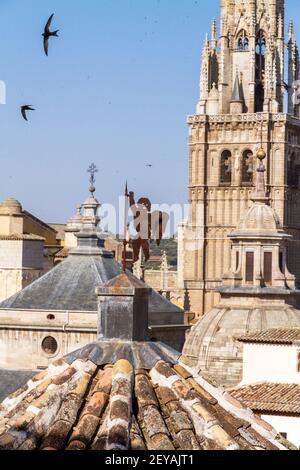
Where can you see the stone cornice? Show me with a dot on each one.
(245, 117)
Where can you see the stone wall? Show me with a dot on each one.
(22, 334)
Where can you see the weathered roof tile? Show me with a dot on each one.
(83, 406)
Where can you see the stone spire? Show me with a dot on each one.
(214, 39)
(204, 77)
(293, 72)
(237, 98)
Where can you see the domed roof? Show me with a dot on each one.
(11, 206)
(211, 342)
(259, 218)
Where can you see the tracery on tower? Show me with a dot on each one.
(252, 40)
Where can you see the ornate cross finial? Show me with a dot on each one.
(92, 170)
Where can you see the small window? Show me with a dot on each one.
(250, 267)
(247, 167)
(268, 267)
(243, 41)
(49, 345)
(225, 177)
(51, 317)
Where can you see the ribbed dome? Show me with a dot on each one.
(11, 206)
(212, 345)
(260, 217)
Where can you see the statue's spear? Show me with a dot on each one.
(125, 242)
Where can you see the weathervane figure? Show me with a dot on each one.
(92, 170)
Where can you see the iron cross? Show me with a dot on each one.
(92, 170)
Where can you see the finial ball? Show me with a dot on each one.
(261, 154)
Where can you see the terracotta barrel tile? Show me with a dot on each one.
(69, 409)
(105, 381)
(153, 422)
(161, 442)
(57, 435)
(203, 393)
(122, 367)
(187, 440)
(40, 376)
(85, 430)
(204, 413)
(76, 445)
(80, 387)
(181, 422)
(182, 371)
(164, 369)
(120, 410)
(144, 391)
(63, 376)
(96, 404)
(118, 437)
(137, 443)
(166, 395)
(222, 439)
(185, 392)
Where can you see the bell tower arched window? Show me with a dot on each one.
(226, 168)
(260, 62)
(247, 167)
(242, 41)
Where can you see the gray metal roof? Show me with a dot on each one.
(11, 380)
(71, 285)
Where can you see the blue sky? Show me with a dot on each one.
(116, 89)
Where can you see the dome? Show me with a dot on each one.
(211, 342)
(259, 218)
(10, 206)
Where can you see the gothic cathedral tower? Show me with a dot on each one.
(245, 103)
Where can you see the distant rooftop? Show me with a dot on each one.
(273, 336)
(270, 397)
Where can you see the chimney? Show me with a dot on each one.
(123, 309)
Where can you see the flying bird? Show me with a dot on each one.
(25, 108)
(149, 166)
(47, 34)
